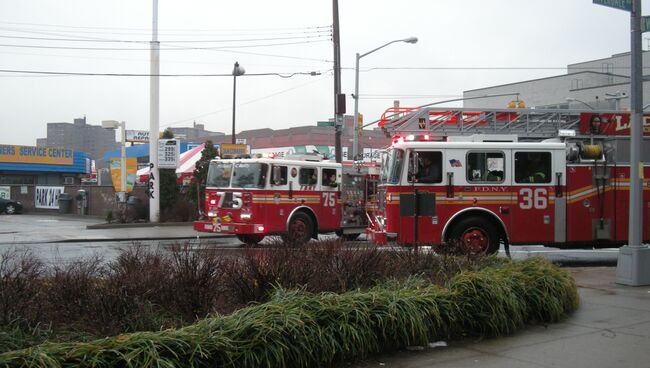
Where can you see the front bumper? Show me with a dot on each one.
(228, 228)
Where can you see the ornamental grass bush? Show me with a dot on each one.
(298, 328)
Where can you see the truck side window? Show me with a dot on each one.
(308, 176)
(533, 167)
(485, 166)
(429, 167)
(329, 178)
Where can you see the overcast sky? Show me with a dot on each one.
(463, 44)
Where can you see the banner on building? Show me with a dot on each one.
(281, 152)
(47, 197)
(115, 164)
(36, 155)
(610, 123)
(230, 150)
(141, 136)
(5, 192)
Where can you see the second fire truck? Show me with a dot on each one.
(296, 198)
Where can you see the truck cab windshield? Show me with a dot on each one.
(219, 174)
(249, 175)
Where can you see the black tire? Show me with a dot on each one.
(476, 235)
(10, 209)
(250, 239)
(300, 229)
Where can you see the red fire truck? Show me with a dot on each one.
(296, 198)
(556, 177)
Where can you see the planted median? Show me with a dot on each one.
(294, 327)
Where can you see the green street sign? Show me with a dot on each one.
(645, 24)
(616, 4)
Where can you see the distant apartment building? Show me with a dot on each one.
(320, 137)
(601, 84)
(91, 139)
(196, 133)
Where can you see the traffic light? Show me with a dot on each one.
(360, 124)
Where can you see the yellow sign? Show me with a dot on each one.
(131, 173)
(36, 155)
(229, 149)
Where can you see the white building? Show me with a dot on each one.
(601, 84)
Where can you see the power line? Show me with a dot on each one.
(40, 72)
(248, 102)
(147, 31)
(172, 48)
(162, 42)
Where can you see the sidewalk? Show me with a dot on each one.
(610, 329)
(37, 228)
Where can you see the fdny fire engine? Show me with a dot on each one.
(552, 177)
(296, 197)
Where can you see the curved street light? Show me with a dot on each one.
(569, 99)
(236, 71)
(355, 141)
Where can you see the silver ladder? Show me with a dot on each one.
(527, 124)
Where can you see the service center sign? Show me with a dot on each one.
(36, 155)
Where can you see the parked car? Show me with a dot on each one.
(10, 207)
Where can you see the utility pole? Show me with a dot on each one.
(339, 100)
(634, 259)
(154, 110)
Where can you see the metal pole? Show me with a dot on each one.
(633, 266)
(123, 164)
(636, 132)
(338, 117)
(154, 110)
(234, 95)
(355, 141)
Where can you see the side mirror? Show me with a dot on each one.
(276, 175)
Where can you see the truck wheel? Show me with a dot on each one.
(10, 209)
(477, 236)
(300, 229)
(250, 239)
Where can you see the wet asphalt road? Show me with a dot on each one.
(61, 238)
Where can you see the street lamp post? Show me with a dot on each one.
(114, 124)
(236, 71)
(355, 135)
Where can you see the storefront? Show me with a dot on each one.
(37, 175)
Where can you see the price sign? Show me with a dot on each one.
(169, 151)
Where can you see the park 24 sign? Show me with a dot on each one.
(169, 151)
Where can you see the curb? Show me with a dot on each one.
(137, 224)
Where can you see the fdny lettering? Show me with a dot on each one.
(307, 187)
(490, 189)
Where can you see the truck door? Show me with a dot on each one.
(418, 217)
(533, 219)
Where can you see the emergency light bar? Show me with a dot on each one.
(412, 138)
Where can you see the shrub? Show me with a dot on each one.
(302, 329)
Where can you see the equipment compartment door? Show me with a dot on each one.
(417, 213)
